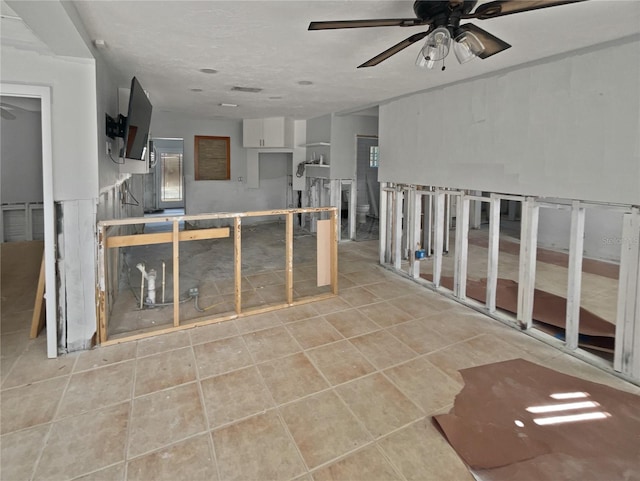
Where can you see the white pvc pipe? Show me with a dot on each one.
(151, 287)
(163, 270)
(144, 275)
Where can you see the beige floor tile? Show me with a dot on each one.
(456, 327)
(351, 322)
(33, 366)
(257, 322)
(163, 342)
(345, 283)
(382, 349)
(190, 460)
(340, 362)
(389, 289)
(275, 294)
(19, 321)
(421, 453)
(97, 388)
(378, 404)
(359, 296)
(12, 344)
(313, 332)
(265, 279)
(221, 356)
(297, 313)
(271, 344)
(213, 332)
(385, 314)
(163, 370)
(328, 306)
(424, 384)
(103, 356)
(257, 448)
(5, 367)
(419, 336)
(323, 428)
(82, 444)
(291, 377)
(364, 277)
(112, 473)
(367, 464)
(19, 451)
(424, 304)
(234, 396)
(165, 417)
(26, 406)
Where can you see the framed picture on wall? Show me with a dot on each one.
(212, 158)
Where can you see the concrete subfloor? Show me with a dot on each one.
(340, 389)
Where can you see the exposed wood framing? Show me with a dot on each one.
(527, 271)
(494, 245)
(113, 243)
(38, 317)
(324, 242)
(438, 241)
(289, 259)
(627, 344)
(462, 247)
(574, 287)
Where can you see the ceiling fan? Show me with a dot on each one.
(443, 18)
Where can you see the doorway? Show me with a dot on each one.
(368, 187)
(164, 185)
(42, 94)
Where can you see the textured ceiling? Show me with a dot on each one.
(265, 44)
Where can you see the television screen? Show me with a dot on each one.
(137, 124)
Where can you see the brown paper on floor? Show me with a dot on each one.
(493, 431)
(549, 309)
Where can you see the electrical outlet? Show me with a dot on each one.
(108, 148)
(193, 292)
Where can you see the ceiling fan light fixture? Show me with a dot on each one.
(435, 48)
(467, 46)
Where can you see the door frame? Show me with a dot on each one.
(44, 94)
(158, 173)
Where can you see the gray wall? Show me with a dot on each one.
(21, 155)
(344, 130)
(566, 127)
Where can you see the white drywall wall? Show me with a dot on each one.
(21, 156)
(74, 114)
(602, 232)
(344, 130)
(319, 131)
(566, 127)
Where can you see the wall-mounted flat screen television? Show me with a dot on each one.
(134, 128)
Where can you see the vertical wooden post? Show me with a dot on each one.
(576, 247)
(102, 285)
(439, 236)
(462, 247)
(527, 272)
(382, 223)
(289, 259)
(627, 343)
(176, 272)
(494, 252)
(397, 231)
(237, 260)
(335, 225)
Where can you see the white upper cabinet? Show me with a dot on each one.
(269, 132)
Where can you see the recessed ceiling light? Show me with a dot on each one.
(208, 70)
(254, 90)
(305, 82)
(278, 97)
(228, 105)
(196, 90)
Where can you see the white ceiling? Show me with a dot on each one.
(266, 44)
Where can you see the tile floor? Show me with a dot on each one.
(341, 389)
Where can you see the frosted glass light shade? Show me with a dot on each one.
(467, 47)
(435, 48)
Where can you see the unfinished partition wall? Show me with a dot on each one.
(218, 284)
(579, 293)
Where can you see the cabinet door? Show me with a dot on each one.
(273, 132)
(252, 133)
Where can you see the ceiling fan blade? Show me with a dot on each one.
(500, 8)
(381, 22)
(492, 44)
(416, 37)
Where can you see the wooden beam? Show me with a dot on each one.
(494, 252)
(176, 272)
(574, 287)
(237, 259)
(289, 259)
(102, 286)
(166, 237)
(38, 317)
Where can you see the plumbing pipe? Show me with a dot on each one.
(163, 282)
(151, 287)
(141, 268)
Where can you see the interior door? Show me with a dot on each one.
(169, 173)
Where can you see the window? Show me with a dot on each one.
(374, 154)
